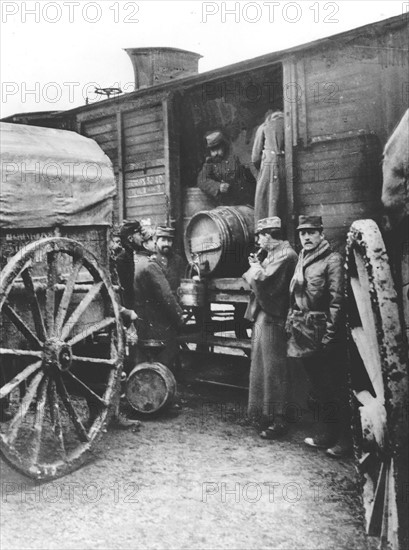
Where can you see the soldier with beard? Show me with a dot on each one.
(223, 177)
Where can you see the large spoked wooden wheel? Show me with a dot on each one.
(381, 389)
(61, 357)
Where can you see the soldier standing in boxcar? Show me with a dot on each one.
(223, 177)
(316, 330)
(269, 280)
(268, 157)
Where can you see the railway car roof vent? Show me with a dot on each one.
(154, 66)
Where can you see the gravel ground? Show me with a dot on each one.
(196, 481)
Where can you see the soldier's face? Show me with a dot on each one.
(217, 153)
(116, 245)
(164, 245)
(150, 245)
(310, 238)
(266, 241)
(136, 239)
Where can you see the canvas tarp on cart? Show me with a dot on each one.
(53, 177)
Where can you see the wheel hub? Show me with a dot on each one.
(57, 355)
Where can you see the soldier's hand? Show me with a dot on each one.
(224, 187)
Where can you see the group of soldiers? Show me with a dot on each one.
(296, 303)
(296, 307)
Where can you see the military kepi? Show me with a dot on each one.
(129, 227)
(268, 223)
(167, 232)
(309, 222)
(213, 139)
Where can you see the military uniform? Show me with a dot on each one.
(159, 314)
(227, 170)
(316, 330)
(268, 156)
(268, 306)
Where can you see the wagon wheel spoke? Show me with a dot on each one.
(96, 327)
(66, 297)
(111, 363)
(62, 390)
(19, 378)
(24, 408)
(21, 353)
(39, 420)
(35, 306)
(50, 292)
(91, 394)
(82, 306)
(22, 327)
(55, 415)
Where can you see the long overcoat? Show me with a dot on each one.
(268, 307)
(316, 302)
(268, 156)
(159, 314)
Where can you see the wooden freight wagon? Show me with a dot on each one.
(61, 336)
(341, 97)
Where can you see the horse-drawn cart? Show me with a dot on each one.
(61, 338)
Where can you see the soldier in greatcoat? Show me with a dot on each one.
(174, 266)
(223, 177)
(159, 314)
(316, 329)
(268, 157)
(132, 238)
(269, 280)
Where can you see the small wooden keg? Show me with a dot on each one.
(150, 388)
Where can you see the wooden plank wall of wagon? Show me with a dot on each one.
(341, 181)
(103, 129)
(144, 164)
(353, 94)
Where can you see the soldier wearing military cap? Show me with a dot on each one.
(172, 264)
(132, 238)
(316, 332)
(223, 177)
(269, 279)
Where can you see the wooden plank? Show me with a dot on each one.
(289, 159)
(146, 165)
(141, 129)
(202, 338)
(330, 186)
(144, 191)
(100, 126)
(140, 157)
(228, 284)
(148, 137)
(120, 178)
(133, 152)
(145, 181)
(302, 107)
(336, 197)
(228, 297)
(143, 116)
(166, 145)
(131, 174)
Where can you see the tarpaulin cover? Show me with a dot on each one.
(53, 177)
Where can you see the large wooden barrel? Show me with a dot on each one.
(150, 388)
(221, 239)
(195, 201)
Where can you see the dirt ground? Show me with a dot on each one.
(196, 481)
